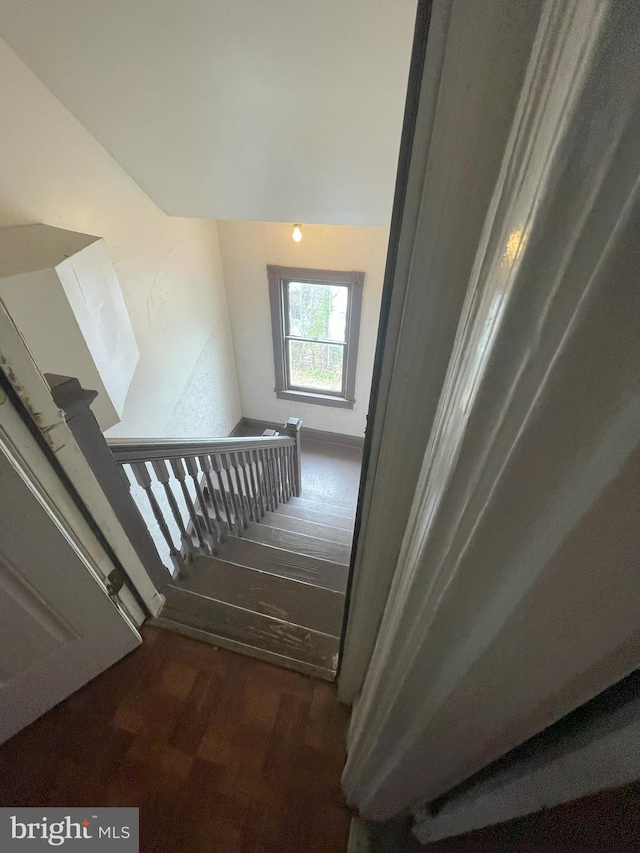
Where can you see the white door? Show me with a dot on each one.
(58, 626)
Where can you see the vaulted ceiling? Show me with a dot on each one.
(280, 110)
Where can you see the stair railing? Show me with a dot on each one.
(205, 488)
(222, 483)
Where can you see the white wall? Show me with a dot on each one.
(53, 171)
(514, 596)
(247, 248)
(76, 291)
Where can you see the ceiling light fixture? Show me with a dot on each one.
(297, 232)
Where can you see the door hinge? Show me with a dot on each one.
(115, 581)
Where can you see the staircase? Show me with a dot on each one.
(257, 567)
(243, 556)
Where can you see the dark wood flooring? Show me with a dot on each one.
(220, 752)
(330, 472)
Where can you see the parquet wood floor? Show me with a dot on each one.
(220, 752)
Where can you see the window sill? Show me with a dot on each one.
(317, 399)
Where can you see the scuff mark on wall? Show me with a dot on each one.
(20, 391)
(158, 301)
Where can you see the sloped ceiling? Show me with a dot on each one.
(278, 110)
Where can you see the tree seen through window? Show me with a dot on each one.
(317, 324)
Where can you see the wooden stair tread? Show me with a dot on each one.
(309, 528)
(321, 496)
(301, 543)
(344, 522)
(320, 505)
(269, 558)
(251, 629)
(280, 597)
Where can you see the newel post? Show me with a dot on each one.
(292, 428)
(75, 403)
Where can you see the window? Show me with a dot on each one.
(315, 317)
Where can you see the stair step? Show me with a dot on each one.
(310, 528)
(323, 573)
(319, 505)
(336, 500)
(272, 595)
(301, 543)
(251, 630)
(333, 519)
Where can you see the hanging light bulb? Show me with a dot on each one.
(297, 233)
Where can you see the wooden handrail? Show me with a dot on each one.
(128, 450)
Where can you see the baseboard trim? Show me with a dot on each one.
(306, 433)
(237, 428)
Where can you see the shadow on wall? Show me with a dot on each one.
(198, 413)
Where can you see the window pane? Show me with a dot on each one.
(318, 310)
(317, 366)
